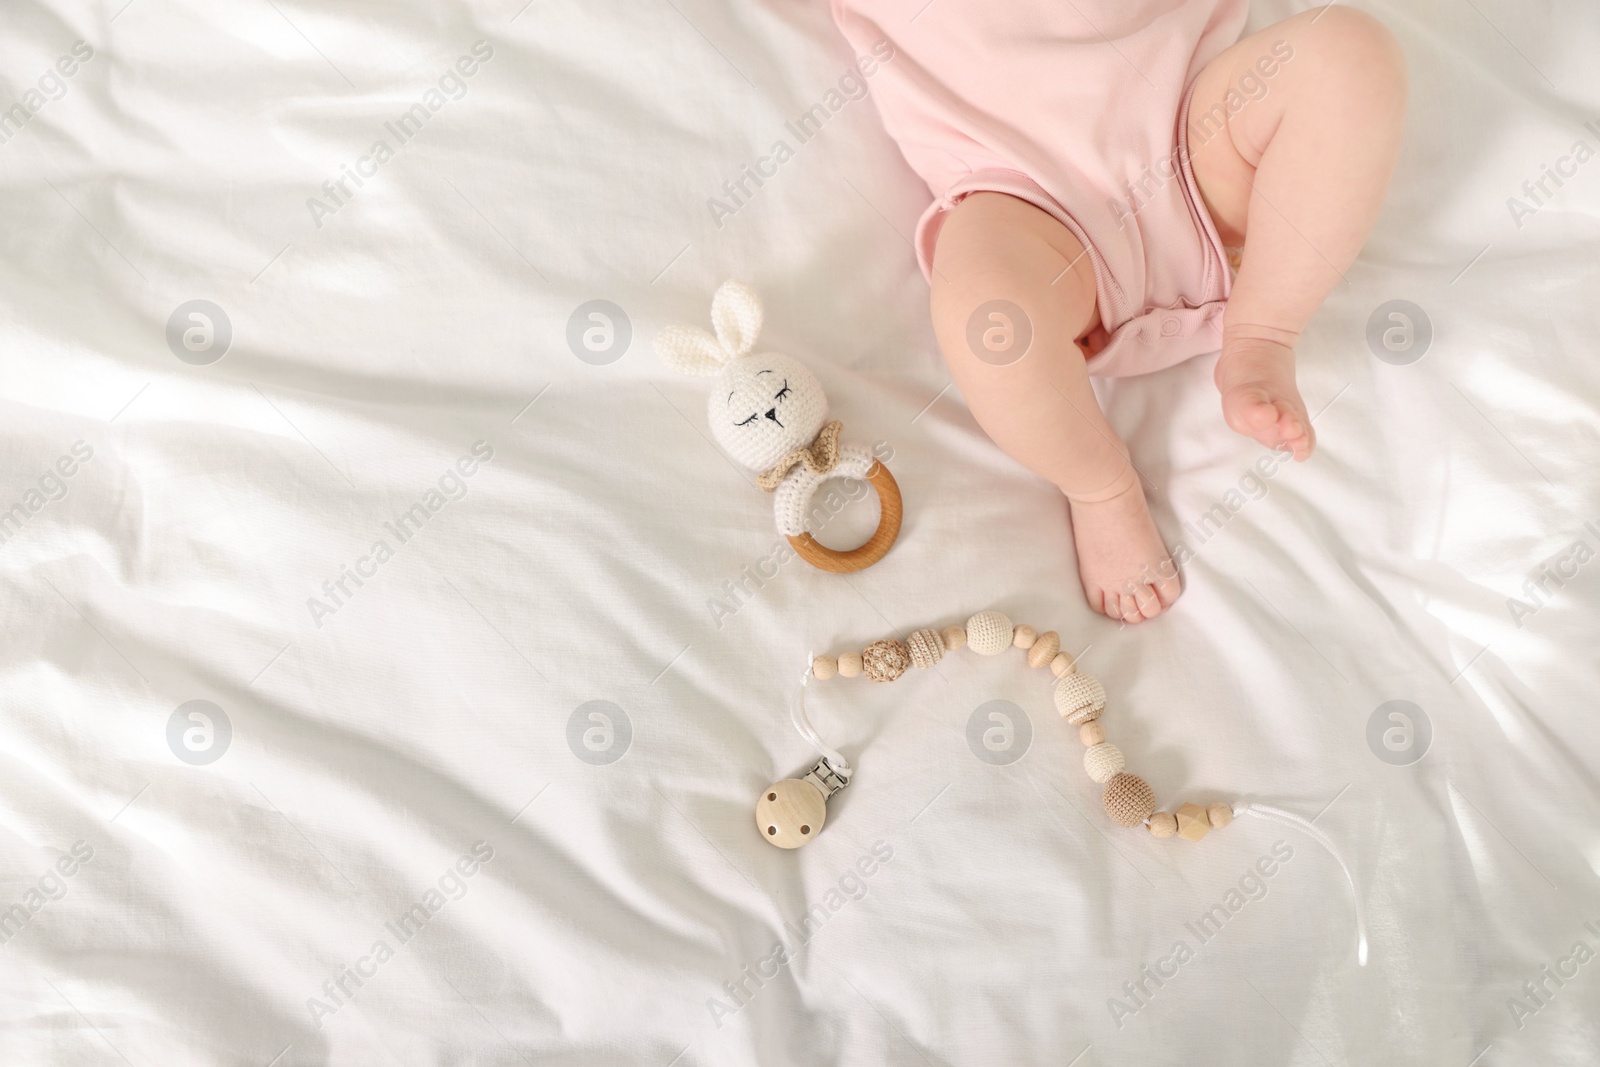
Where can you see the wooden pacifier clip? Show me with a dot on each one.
(791, 813)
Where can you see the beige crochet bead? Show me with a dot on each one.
(885, 660)
(1163, 824)
(1062, 665)
(1080, 698)
(850, 665)
(925, 647)
(989, 633)
(1103, 761)
(1024, 637)
(954, 637)
(824, 667)
(1044, 649)
(1091, 733)
(1219, 815)
(1128, 799)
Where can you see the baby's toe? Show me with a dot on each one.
(1148, 601)
(1130, 609)
(1299, 437)
(1251, 409)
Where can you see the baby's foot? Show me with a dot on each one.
(1126, 570)
(1259, 398)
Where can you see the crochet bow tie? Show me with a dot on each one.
(819, 457)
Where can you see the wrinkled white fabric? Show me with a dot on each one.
(604, 549)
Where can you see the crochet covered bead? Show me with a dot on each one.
(1023, 637)
(824, 667)
(1044, 649)
(1128, 799)
(989, 633)
(886, 660)
(954, 637)
(925, 647)
(850, 665)
(1103, 761)
(1080, 698)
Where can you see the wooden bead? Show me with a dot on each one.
(1091, 733)
(925, 647)
(1163, 824)
(1128, 799)
(1024, 637)
(1219, 815)
(1062, 665)
(885, 660)
(1192, 822)
(791, 812)
(954, 637)
(1044, 649)
(989, 633)
(824, 667)
(1079, 698)
(850, 665)
(1103, 761)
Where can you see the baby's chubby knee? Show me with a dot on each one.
(1355, 51)
(997, 286)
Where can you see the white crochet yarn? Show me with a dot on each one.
(762, 407)
(1103, 761)
(989, 633)
(1079, 698)
(791, 501)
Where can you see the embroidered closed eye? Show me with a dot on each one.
(772, 413)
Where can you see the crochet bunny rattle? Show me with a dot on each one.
(769, 412)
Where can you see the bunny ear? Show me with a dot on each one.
(690, 350)
(736, 315)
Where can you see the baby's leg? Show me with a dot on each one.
(1297, 171)
(1013, 292)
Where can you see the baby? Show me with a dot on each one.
(1098, 166)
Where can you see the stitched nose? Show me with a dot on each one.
(772, 413)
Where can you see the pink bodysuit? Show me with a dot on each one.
(1080, 108)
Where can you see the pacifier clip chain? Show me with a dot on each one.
(791, 813)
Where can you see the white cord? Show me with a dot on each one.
(802, 723)
(1262, 811)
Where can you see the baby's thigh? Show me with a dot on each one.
(995, 250)
(1326, 65)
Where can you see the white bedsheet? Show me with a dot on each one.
(212, 909)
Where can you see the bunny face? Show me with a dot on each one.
(762, 406)
(765, 406)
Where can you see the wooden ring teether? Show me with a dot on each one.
(837, 561)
